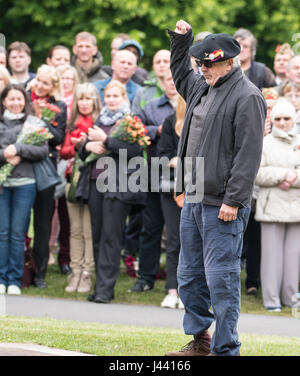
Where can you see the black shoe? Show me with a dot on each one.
(39, 283)
(141, 286)
(98, 299)
(91, 297)
(65, 269)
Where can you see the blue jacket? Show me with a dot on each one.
(131, 88)
(153, 115)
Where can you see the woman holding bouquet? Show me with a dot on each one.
(45, 91)
(85, 110)
(109, 210)
(18, 192)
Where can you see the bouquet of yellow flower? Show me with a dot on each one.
(129, 129)
(33, 132)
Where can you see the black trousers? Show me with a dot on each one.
(95, 204)
(150, 238)
(43, 211)
(114, 218)
(252, 252)
(64, 233)
(132, 233)
(171, 213)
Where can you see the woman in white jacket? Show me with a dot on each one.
(278, 209)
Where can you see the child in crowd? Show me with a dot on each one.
(85, 109)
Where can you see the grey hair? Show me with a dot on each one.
(200, 36)
(289, 64)
(242, 34)
(236, 62)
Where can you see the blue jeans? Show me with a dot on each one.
(209, 273)
(15, 206)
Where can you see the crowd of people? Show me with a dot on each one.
(94, 229)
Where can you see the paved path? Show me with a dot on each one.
(140, 315)
(25, 349)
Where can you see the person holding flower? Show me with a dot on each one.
(4, 77)
(109, 210)
(86, 108)
(45, 93)
(18, 192)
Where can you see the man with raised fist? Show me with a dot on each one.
(224, 125)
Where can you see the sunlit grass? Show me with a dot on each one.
(117, 340)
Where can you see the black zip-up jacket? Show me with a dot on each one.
(133, 150)
(232, 136)
(168, 141)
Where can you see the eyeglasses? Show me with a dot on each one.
(207, 64)
(285, 118)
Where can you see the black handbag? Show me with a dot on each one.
(83, 185)
(46, 175)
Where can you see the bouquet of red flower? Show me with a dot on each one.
(82, 126)
(49, 112)
(129, 129)
(33, 133)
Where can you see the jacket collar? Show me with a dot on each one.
(163, 100)
(235, 74)
(283, 135)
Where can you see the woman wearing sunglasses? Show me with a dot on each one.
(278, 209)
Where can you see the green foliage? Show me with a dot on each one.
(45, 23)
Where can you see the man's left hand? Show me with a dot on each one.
(228, 213)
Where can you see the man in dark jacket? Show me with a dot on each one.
(258, 73)
(87, 58)
(153, 115)
(224, 124)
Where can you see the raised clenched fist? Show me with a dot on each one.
(182, 27)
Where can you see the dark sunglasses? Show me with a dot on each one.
(207, 64)
(285, 118)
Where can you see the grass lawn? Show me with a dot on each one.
(57, 282)
(116, 340)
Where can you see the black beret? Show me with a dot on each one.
(216, 47)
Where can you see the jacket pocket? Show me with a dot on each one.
(266, 203)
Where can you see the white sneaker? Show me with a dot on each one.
(170, 301)
(2, 289)
(13, 290)
(180, 304)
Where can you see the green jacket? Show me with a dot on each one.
(151, 90)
